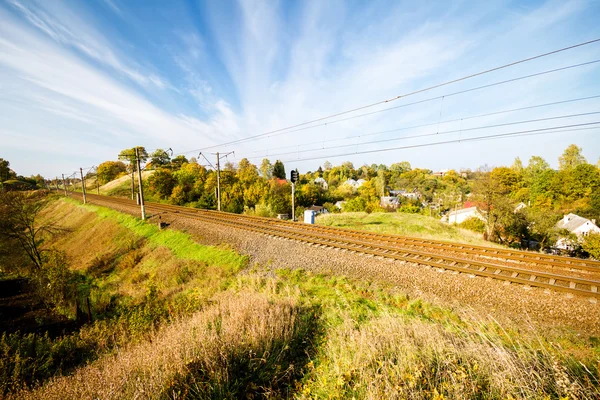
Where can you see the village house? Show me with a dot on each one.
(459, 216)
(322, 182)
(354, 184)
(339, 204)
(414, 195)
(576, 225)
(389, 202)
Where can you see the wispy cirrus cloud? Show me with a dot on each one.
(181, 81)
(66, 28)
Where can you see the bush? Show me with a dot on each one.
(355, 205)
(409, 209)
(591, 245)
(473, 224)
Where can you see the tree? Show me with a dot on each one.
(129, 155)
(22, 248)
(591, 244)
(162, 182)
(266, 169)
(178, 161)
(160, 158)
(5, 171)
(278, 170)
(19, 227)
(110, 170)
(518, 166)
(327, 165)
(537, 166)
(571, 158)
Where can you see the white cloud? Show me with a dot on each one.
(282, 72)
(66, 28)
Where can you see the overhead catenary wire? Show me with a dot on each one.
(402, 95)
(440, 97)
(509, 134)
(322, 142)
(431, 134)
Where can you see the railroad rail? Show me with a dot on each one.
(436, 254)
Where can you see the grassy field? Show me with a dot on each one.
(404, 224)
(175, 319)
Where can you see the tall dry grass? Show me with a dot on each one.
(393, 357)
(241, 346)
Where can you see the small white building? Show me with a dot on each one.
(459, 216)
(578, 226)
(322, 182)
(339, 204)
(389, 202)
(354, 184)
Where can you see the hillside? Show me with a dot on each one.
(404, 224)
(173, 318)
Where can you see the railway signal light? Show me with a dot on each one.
(294, 176)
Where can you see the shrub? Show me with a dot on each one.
(591, 244)
(473, 224)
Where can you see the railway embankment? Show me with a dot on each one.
(192, 318)
(495, 293)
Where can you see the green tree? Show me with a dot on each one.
(159, 158)
(129, 155)
(110, 170)
(178, 161)
(591, 244)
(536, 167)
(278, 170)
(5, 171)
(266, 169)
(162, 183)
(570, 158)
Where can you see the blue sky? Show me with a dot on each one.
(81, 80)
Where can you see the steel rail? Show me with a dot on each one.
(478, 251)
(511, 274)
(475, 250)
(521, 256)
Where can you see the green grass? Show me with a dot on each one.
(414, 225)
(181, 244)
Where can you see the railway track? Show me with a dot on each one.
(500, 264)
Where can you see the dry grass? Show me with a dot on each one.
(394, 357)
(207, 355)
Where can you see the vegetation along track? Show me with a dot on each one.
(486, 262)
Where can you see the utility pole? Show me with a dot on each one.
(293, 201)
(64, 184)
(218, 183)
(139, 169)
(132, 180)
(83, 185)
(219, 177)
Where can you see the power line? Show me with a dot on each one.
(517, 133)
(444, 96)
(428, 124)
(403, 95)
(433, 134)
